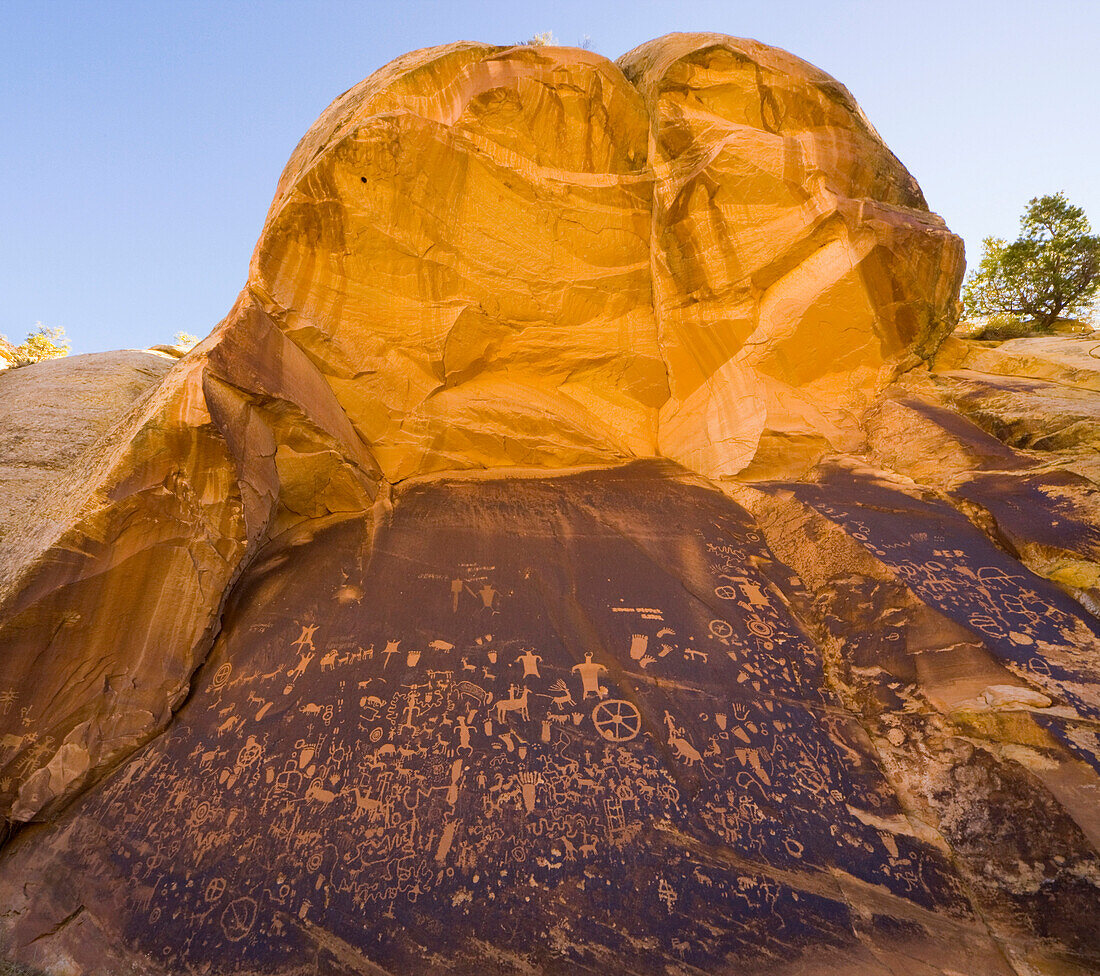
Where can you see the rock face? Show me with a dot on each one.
(567, 556)
(51, 417)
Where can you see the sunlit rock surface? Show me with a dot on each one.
(567, 556)
(52, 417)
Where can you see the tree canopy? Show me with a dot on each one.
(40, 344)
(1051, 271)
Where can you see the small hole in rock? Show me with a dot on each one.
(362, 179)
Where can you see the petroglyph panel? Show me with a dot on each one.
(574, 719)
(1034, 628)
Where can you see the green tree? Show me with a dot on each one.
(40, 344)
(1051, 271)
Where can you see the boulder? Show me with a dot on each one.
(569, 554)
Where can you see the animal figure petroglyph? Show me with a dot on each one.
(328, 662)
(513, 704)
(563, 696)
(684, 750)
(476, 692)
(681, 748)
(318, 794)
(373, 809)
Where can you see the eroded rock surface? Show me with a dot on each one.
(568, 556)
(53, 414)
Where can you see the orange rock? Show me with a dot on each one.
(482, 257)
(839, 714)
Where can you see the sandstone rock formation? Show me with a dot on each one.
(566, 556)
(52, 416)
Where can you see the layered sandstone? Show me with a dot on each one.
(566, 555)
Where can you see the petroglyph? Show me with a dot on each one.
(458, 772)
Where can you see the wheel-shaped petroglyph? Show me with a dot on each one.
(215, 888)
(250, 752)
(720, 629)
(617, 720)
(725, 592)
(238, 918)
(761, 628)
(221, 676)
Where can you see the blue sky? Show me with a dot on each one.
(142, 141)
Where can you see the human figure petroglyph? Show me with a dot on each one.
(412, 709)
(463, 729)
(305, 639)
(488, 595)
(530, 661)
(589, 672)
(300, 668)
(666, 894)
